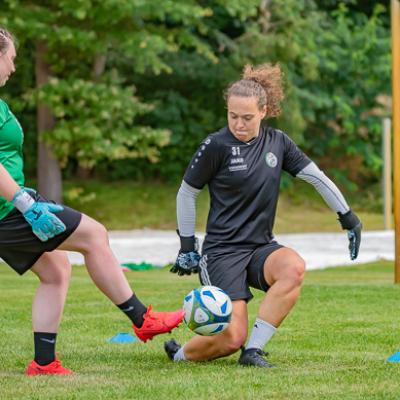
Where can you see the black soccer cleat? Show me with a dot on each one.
(171, 347)
(254, 358)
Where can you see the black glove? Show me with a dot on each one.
(351, 222)
(188, 257)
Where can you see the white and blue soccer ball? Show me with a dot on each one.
(208, 310)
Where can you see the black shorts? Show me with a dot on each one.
(235, 270)
(20, 248)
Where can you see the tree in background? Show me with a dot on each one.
(178, 56)
(337, 66)
(337, 69)
(85, 110)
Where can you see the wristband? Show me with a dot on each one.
(188, 243)
(22, 201)
(348, 220)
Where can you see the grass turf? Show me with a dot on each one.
(332, 346)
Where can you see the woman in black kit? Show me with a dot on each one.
(242, 165)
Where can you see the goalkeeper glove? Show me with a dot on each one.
(45, 225)
(351, 222)
(188, 257)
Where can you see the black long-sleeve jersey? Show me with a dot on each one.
(243, 180)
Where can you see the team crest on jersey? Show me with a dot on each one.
(271, 160)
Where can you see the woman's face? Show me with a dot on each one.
(7, 66)
(244, 117)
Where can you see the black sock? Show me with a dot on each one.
(134, 309)
(45, 344)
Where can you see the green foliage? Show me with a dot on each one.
(190, 118)
(338, 75)
(337, 71)
(96, 122)
(180, 55)
(96, 112)
(354, 66)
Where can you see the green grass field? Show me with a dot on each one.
(332, 346)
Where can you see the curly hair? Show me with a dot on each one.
(5, 38)
(264, 82)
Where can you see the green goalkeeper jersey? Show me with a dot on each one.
(11, 140)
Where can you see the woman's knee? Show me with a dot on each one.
(94, 235)
(284, 265)
(53, 269)
(98, 233)
(295, 272)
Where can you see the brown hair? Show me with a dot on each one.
(5, 38)
(264, 82)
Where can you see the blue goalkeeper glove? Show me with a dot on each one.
(188, 257)
(351, 222)
(45, 225)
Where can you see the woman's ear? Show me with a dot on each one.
(263, 111)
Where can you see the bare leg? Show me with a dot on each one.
(91, 239)
(201, 348)
(284, 271)
(54, 271)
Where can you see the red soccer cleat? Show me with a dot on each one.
(156, 323)
(54, 368)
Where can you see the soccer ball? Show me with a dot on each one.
(208, 310)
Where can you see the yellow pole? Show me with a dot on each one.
(395, 17)
(387, 172)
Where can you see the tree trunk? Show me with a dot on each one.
(98, 67)
(265, 16)
(48, 169)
